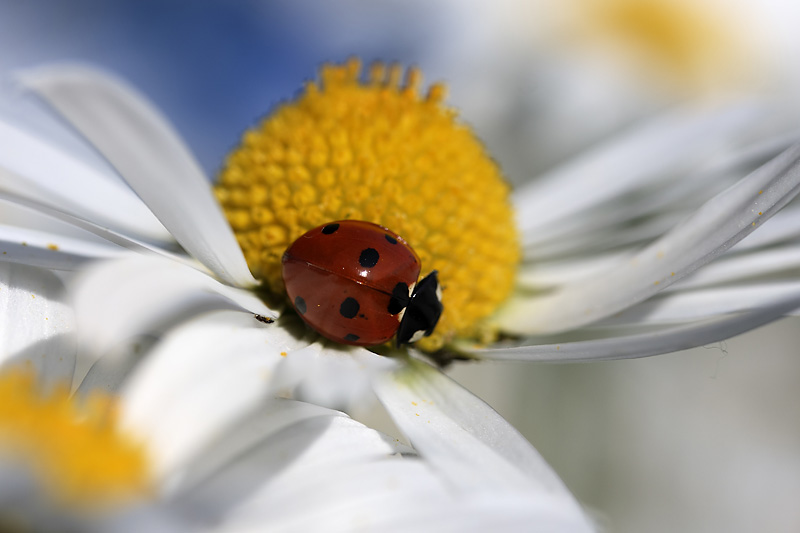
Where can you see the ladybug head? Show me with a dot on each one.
(423, 311)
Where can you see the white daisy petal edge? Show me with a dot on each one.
(156, 293)
(663, 341)
(27, 167)
(714, 228)
(146, 150)
(202, 375)
(663, 198)
(658, 149)
(42, 210)
(286, 465)
(37, 327)
(388, 494)
(785, 226)
(47, 250)
(742, 262)
(685, 306)
(279, 444)
(451, 427)
(333, 376)
(743, 266)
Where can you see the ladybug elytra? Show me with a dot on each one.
(355, 282)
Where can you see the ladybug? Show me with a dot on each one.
(355, 282)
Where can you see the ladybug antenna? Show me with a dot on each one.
(423, 311)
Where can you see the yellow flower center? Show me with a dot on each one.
(679, 41)
(379, 152)
(74, 451)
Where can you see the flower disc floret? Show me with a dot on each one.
(380, 152)
(74, 450)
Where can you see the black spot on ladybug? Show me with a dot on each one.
(349, 308)
(362, 315)
(330, 228)
(264, 319)
(391, 239)
(300, 305)
(351, 337)
(369, 258)
(399, 299)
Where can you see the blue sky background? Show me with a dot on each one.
(213, 67)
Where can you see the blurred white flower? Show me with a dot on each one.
(583, 227)
(202, 445)
(574, 72)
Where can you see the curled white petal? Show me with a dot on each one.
(338, 377)
(547, 274)
(785, 226)
(713, 229)
(650, 152)
(743, 267)
(280, 445)
(42, 210)
(684, 306)
(672, 339)
(47, 250)
(452, 428)
(393, 494)
(32, 168)
(128, 130)
(200, 379)
(37, 327)
(119, 300)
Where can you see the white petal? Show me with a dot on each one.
(643, 345)
(333, 474)
(108, 374)
(717, 226)
(36, 326)
(257, 432)
(651, 152)
(41, 249)
(282, 444)
(463, 438)
(395, 495)
(785, 226)
(41, 210)
(618, 221)
(119, 300)
(684, 306)
(204, 376)
(596, 239)
(149, 154)
(367, 496)
(26, 217)
(546, 274)
(334, 376)
(32, 168)
(734, 267)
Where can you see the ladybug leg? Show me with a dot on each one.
(423, 311)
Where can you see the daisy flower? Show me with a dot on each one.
(604, 239)
(164, 454)
(376, 151)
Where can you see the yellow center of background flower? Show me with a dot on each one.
(678, 42)
(378, 151)
(74, 451)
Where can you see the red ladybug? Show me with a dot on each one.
(355, 282)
